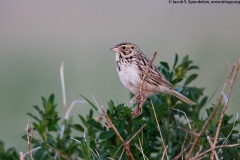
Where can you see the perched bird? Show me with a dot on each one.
(131, 64)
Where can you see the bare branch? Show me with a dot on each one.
(22, 155)
(129, 141)
(210, 117)
(190, 132)
(222, 146)
(225, 105)
(231, 130)
(29, 132)
(164, 152)
(146, 72)
(212, 146)
(139, 97)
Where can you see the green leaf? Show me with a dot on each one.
(90, 114)
(192, 67)
(175, 60)
(52, 126)
(119, 148)
(94, 107)
(95, 124)
(51, 98)
(34, 117)
(111, 106)
(78, 127)
(107, 134)
(165, 73)
(120, 126)
(37, 108)
(85, 149)
(165, 65)
(203, 101)
(190, 79)
(83, 120)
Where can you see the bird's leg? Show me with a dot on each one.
(140, 100)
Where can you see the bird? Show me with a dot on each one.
(131, 66)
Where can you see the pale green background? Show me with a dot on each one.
(36, 36)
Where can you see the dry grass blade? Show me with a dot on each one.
(141, 149)
(63, 86)
(159, 129)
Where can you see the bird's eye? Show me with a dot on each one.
(123, 47)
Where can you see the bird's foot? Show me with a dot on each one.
(136, 112)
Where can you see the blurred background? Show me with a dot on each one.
(36, 36)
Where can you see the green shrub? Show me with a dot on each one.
(178, 123)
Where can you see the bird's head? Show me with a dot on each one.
(126, 49)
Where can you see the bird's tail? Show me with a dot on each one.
(182, 97)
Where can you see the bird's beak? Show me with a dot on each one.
(114, 49)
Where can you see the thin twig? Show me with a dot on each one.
(67, 113)
(29, 132)
(30, 141)
(146, 72)
(184, 150)
(190, 132)
(164, 152)
(228, 78)
(222, 146)
(211, 144)
(129, 141)
(230, 131)
(225, 107)
(125, 145)
(23, 155)
(58, 152)
(111, 125)
(159, 129)
(99, 108)
(73, 104)
(189, 125)
(139, 97)
(198, 135)
(141, 149)
(200, 149)
(120, 157)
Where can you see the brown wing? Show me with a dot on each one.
(154, 76)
